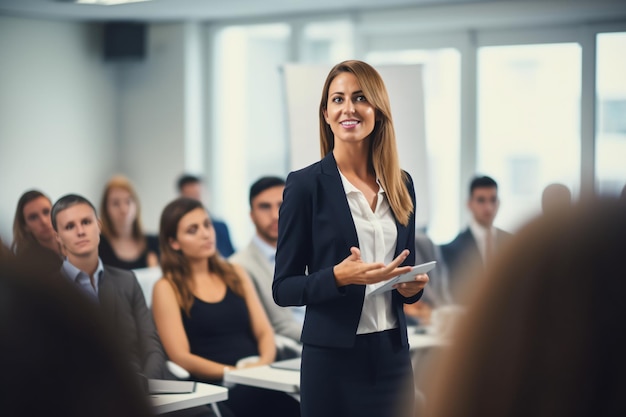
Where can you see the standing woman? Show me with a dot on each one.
(345, 227)
(207, 312)
(123, 243)
(34, 239)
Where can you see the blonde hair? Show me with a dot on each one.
(175, 266)
(383, 154)
(120, 181)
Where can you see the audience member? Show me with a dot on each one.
(56, 354)
(34, 242)
(116, 291)
(437, 292)
(123, 243)
(544, 334)
(475, 246)
(190, 186)
(208, 313)
(555, 198)
(258, 258)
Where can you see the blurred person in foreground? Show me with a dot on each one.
(55, 361)
(544, 335)
(5, 252)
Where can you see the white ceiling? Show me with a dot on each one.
(175, 10)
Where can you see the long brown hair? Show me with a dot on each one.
(119, 181)
(544, 334)
(175, 266)
(22, 238)
(383, 152)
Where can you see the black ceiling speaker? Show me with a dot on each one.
(124, 41)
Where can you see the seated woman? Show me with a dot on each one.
(34, 240)
(207, 311)
(123, 243)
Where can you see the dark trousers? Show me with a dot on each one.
(373, 378)
(245, 401)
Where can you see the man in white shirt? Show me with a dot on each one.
(474, 248)
(266, 196)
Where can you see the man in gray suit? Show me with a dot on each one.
(115, 290)
(266, 196)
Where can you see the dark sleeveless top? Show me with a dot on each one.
(220, 331)
(108, 256)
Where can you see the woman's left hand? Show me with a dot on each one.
(409, 289)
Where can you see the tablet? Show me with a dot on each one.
(409, 276)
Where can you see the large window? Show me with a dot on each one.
(441, 72)
(248, 118)
(528, 123)
(611, 113)
(327, 42)
(517, 92)
(248, 107)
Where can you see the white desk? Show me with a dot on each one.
(289, 381)
(419, 341)
(204, 394)
(266, 377)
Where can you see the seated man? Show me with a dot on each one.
(115, 290)
(266, 196)
(474, 248)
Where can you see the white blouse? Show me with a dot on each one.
(377, 233)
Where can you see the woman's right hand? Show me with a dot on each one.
(353, 270)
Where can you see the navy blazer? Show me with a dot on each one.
(315, 233)
(222, 236)
(463, 259)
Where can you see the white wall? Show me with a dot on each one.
(151, 120)
(57, 129)
(69, 120)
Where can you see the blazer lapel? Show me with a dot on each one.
(331, 183)
(402, 237)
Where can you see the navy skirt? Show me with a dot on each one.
(373, 378)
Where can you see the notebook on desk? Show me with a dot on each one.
(288, 364)
(164, 386)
